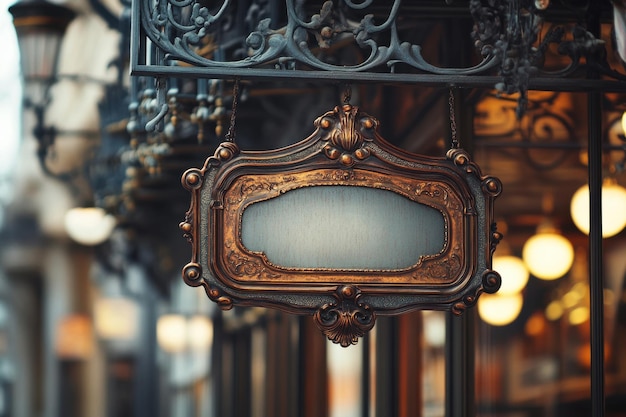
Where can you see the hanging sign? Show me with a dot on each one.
(343, 226)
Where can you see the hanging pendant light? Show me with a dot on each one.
(548, 254)
(116, 319)
(500, 310)
(89, 226)
(513, 271)
(171, 332)
(177, 333)
(504, 306)
(613, 208)
(511, 268)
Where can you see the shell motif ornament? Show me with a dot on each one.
(347, 130)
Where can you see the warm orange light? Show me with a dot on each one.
(116, 319)
(554, 310)
(514, 273)
(74, 338)
(200, 332)
(548, 254)
(536, 325)
(89, 225)
(613, 208)
(177, 333)
(579, 315)
(172, 332)
(499, 310)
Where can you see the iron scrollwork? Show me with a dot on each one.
(515, 40)
(184, 30)
(345, 150)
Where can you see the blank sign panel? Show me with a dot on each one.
(343, 227)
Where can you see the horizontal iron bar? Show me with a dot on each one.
(541, 145)
(433, 80)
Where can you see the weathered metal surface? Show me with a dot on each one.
(344, 151)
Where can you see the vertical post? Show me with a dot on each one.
(594, 104)
(386, 365)
(459, 399)
(146, 376)
(595, 255)
(365, 381)
(460, 337)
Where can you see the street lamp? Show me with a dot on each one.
(40, 27)
(177, 333)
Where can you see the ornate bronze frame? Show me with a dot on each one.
(344, 150)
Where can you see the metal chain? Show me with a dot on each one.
(347, 94)
(455, 141)
(230, 135)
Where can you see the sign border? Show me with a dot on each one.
(345, 149)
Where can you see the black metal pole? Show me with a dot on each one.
(146, 375)
(594, 104)
(459, 351)
(595, 256)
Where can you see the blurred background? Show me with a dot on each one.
(96, 321)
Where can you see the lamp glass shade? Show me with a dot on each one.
(514, 273)
(172, 332)
(548, 255)
(613, 208)
(499, 310)
(89, 225)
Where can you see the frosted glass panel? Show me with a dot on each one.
(342, 227)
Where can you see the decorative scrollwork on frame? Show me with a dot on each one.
(489, 185)
(192, 179)
(492, 186)
(437, 193)
(439, 269)
(339, 175)
(223, 302)
(346, 320)
(491, 282)
(241, 265)
(187, 227)
(192, 274)
(495, 238)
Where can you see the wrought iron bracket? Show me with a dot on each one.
(183, 39)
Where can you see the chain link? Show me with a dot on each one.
(347, 94)
(455, 141)
(230, 135)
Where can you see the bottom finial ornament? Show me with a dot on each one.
(346, 320)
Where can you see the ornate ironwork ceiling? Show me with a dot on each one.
(292, 39)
